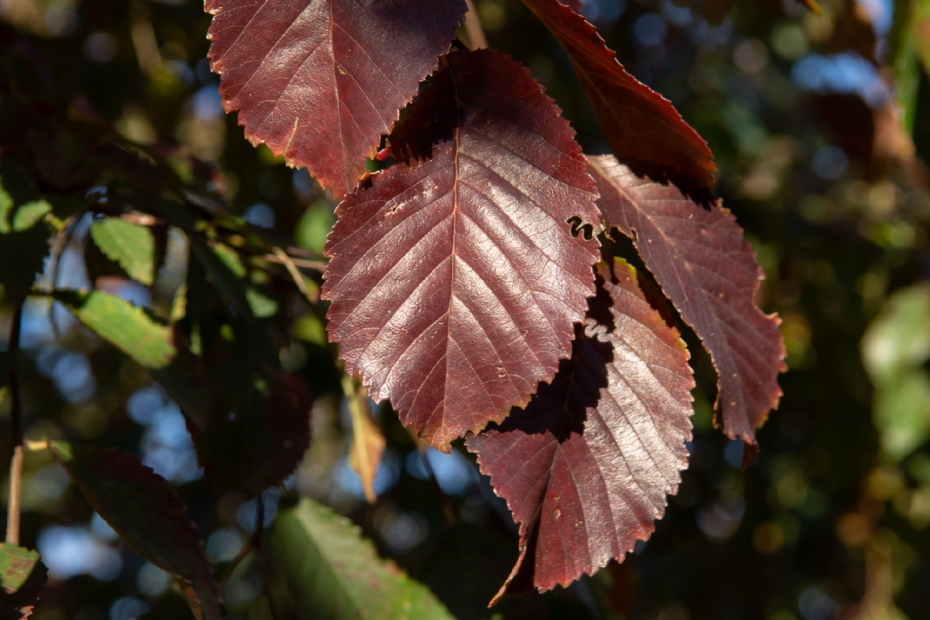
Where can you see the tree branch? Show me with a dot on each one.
(476, 38)
(16, 419)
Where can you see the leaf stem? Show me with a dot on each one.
(16, 418)
(476, 38)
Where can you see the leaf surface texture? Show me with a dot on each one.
(455, 281)
(587, 466)
(708, 270)
(319, 81)
(323, 568)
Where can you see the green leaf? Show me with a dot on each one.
(920, 24)
(899, 338)
(22, 577)
(125, 326)
(902, 414)
(313, 227)
(130, 245)
(226, 271)
(262, 306)
(148, 514)
(323, 568)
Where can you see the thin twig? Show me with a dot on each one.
(16, 418)
(301, 263)
(299, 281)
(476, 38)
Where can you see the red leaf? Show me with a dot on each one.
(586, 467)
(320, 81)
(641, 126)
(148, 514)
(455, 282)
(708, 270)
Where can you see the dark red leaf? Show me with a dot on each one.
(641, 126)
(320, 81)
(587, 466)
(250, 428)
(455, 282)
(708, 270)
(148, 514)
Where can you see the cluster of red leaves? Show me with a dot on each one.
(457, 286)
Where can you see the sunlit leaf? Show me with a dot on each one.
(22, 577)
(323, 568)
(148, 514)
(319, 81)
(699, 257)
(587, 466)
(455, 282)
(641, 126)
(123, 325)
(130, 245)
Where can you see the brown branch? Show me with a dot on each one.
(16, 418)
(476, 38)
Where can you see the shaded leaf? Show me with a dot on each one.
(123, 325)
(130, 245)
(225, 270)
(323, 568)
(587, 466)
(708, 270)
(641, 126)
(23, 244)
(367, 438)
(302, 73)
(22, 577)
(250, 426)
(148, 514)
(455, 282)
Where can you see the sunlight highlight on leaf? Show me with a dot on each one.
(455, 282)
(587, 466)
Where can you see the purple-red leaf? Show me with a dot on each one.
(455, 281)
(148, 514)
(319, 81)
(708, 270)
(587, 466)
(641, 126)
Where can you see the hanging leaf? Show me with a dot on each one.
(323, 568)
(641, 126)
(250, 423)
(123, 325)
(148, 514)
(302, 73)
(587, 466)
(130, 245)
(22, 577)
(708, 270)
(455, 282)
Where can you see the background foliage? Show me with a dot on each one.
(816, 163)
